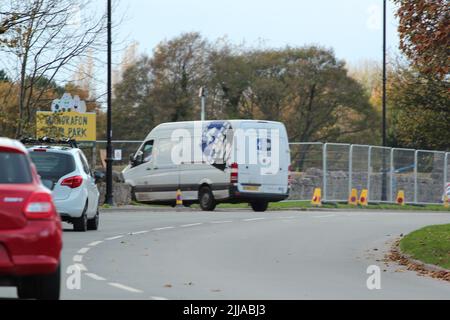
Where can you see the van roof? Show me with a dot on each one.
(184, 124)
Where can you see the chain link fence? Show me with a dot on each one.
(339, 168)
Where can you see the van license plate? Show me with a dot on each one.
(251, 188)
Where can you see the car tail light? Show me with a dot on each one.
(290, 176)
(39, 206)
(73, 182)
(234, 173)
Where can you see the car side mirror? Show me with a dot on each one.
(136, 159)
(98, 176)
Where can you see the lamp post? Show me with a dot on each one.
(109, 159)
(384, 177)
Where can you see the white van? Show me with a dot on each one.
(211, 162)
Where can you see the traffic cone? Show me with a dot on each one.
(401, 198)
(364, 199)
(179, 203)
(317, 198)
(353, 199)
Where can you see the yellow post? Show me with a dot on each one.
(364, 198)
(401, 198)
(317, 198)
(446, 205)
(179, 203)
(353, 199)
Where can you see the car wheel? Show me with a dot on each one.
(49, 286)
(26, 288)
(44, 287)
(94, 222)
(206, 199)
(260, 206)
(80, 224)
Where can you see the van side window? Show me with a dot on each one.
(147, 151)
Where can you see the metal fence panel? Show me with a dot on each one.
(430, 176)
(359, 168)
(307, 162)
(403, 164)
(380, 174)
(337, 168)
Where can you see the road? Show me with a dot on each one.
(244, 255)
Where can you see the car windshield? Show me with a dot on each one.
(14, 168)
(53, 166)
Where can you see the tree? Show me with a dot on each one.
(45, 42)
(425, 34)
(420, 110)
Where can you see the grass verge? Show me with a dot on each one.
(430, 245)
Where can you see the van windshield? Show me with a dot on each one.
(14, 168)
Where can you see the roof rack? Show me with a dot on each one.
(50, 141)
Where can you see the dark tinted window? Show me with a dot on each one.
(14, 168)
(53, 166)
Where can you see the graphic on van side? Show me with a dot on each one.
(215, 145)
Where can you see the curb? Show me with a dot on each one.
(418, 266)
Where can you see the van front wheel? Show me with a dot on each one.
(206, 199)
(260, 206)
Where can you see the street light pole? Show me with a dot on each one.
(384, 177)
(203, 93)
(109, 159)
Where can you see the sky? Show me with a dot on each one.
(353, 28)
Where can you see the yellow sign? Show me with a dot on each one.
(353, 200)
(401, 198)
(317, 198)
(363, 199)
(73, 125)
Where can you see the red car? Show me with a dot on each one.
(30, 227)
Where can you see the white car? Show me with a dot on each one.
(66, 172)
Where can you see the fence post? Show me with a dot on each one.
(416, 159)
(445, 171)
(369, 173)
(350, 170)
(391, 179)
(324, 168)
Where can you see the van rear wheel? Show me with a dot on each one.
(259, 206)
(206, 199)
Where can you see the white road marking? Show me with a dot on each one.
(286, 217)
(220, 222)
(95, 277)
(158, 298)
(114, 238)
(83, 250)
(191, 225)
(81, 267)
(78, 258)
(328, 216)
(255, 219)
(123, 287)
(95, 243)
(139, 232)
(165, 228)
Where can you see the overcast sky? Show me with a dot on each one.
(353, 28)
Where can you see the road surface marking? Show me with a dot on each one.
(191, 225)
(78, 258)
(123, 287)
(83, 250)
(220, 222)
(255, 219)
(81, 267)
(95, 243)
(114, 238)
(158, 298)
(328, 216)
(139, 232)
(286, 217)
(165, 228)
(95, 277)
